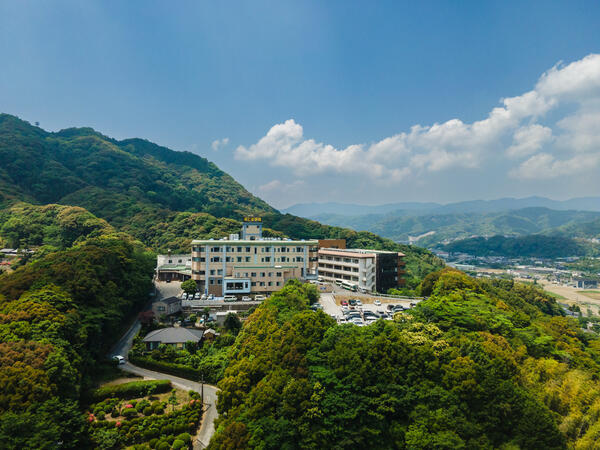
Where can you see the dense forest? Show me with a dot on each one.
(479, 364)
(538, 246)
(59, 315)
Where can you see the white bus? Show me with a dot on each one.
(350, 286)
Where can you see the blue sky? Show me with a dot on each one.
(326, 101)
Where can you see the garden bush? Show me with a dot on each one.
(130, 413)
(147, 411)
(178, 444)
(185, 437)
(101, 415)
(166, 367)
(132, 389)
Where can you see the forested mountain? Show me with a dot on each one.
(478, 365)
(312, 210)
(400, 225)
(162, 197)
(537, 246)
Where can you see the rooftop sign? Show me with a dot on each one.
(252, 219)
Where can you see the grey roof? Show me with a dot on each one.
(170, 300)
(173, 335)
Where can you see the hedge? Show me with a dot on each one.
(179, 370)
(132, 389)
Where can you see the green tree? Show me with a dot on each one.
(232, 323)
(189, 286)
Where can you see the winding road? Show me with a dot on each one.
(207, 427)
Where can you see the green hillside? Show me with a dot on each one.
(162, 197)
(478, 365)
(538, 245)
(400, 225)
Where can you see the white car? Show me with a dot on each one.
(197, 296)
(230, 298)
(120, 360)
(358, 303)
(203, 297)
(184, 296)
(246, 298)
(377, 302)
(210, 297)
(259, 298)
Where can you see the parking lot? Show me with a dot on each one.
(368, 312)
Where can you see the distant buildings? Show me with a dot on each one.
(585, 283)
(174, 336)
(166, 307)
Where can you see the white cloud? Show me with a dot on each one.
(278, 186)
(528, 140)
(545, 166)
(219, 143)
(515, 128)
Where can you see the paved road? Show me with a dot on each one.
(207, 427)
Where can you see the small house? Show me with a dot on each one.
(166, 306)
(175, 336)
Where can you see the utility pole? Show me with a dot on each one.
(202, 388)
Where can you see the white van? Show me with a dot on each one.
(259, 298)
(230, 298)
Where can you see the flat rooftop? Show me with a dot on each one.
(357, 252)
(265, 241)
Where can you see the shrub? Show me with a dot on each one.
(177, 444)
(163, 446)
(185, 437)
(152, 443)
(132, 389)
(158, 409)
(166, 367)
(130, 413)
(100, 415)
(147, 411)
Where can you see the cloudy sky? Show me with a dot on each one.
(327, 101)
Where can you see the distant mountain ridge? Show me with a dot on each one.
(311, 210)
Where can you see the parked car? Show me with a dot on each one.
(119, 359)
(259, 298)
(377, 302)
(184, 296)
(352, 302)
(358, 303)
(197, 296)
(345, 309)
(390, 307)
(230, 298)
(203, 297)
(246, 298)
(344, 303)
(210, 297)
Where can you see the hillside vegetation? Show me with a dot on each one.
(162, 197)
(480, 364)
(399, 225)
(59, 315)
(539, 246)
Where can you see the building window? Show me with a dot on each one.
(267, 259)
(299, 258)
(253, 283)
(228, 259)
(196, 259)
(219, 281)
(270, 283)
(253, 274)
(239, 249)
(220, 272)
(247, 259)
(279, 274)
(262, 274)
(299, 249)
(247, 249)
(239, 259)
(161, 308)
(170, 261)
(277, 284)
(212, 272)
(215, 259)
(215, 249)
